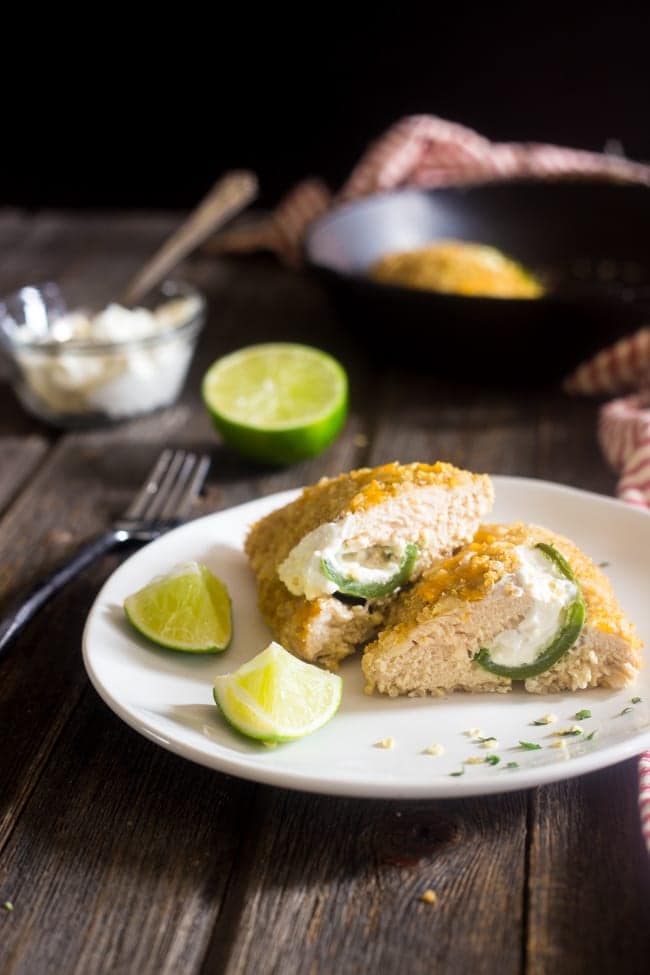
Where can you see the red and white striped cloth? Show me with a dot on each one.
(644, 797)
(624, 425)
(624, 435)
(426, 151)
(422, 150)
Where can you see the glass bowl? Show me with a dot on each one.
(71, 380)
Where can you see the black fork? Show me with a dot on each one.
(162, 502)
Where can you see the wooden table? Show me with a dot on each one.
(120, 857)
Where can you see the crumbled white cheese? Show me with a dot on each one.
(118, 380)
(333, 541)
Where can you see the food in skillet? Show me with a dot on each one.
(458, 267)
(517, 603)
(329, 564)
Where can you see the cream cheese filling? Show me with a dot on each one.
(551, 591)
(334, 541)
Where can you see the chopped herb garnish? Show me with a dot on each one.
(512, 765)
(492, 759)
(582, 715)
(487, 738)
(626, 710)
(530, 746)
(636, 700)
(460, 772)
(592, 734)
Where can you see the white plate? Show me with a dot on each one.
(167, 696)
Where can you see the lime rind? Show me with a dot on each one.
(278, 402)
(188, 610)
(277, 698)
(245, 396)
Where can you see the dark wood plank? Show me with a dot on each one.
(338, 881)
(20, 458)
(120, 861)
(589, 882)
(425, 418)
(334, 885)
(38, 709)
(120, 857)
(567, 445)
(88, 478)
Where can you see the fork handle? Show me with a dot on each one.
(25, 606)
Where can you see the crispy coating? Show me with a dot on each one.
(326, 629)
(271, 539)
(434, 629)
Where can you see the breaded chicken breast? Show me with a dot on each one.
(517, 603)
(329, 564)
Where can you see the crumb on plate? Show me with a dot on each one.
(385, 743)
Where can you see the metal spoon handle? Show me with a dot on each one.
(228, 196)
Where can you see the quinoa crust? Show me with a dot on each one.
(434, 629)
(326, 629)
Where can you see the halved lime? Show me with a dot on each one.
(189, 610)
(276, 697)
(279, 402)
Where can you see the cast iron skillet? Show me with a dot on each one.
(588, 241)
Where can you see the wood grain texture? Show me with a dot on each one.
(338, 882)
(87, 479)
(120, 857)
(589, 874)
(334, 885)
(589, 879)
(20, 458)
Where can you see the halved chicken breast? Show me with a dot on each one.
(517, 603)
(329, 564)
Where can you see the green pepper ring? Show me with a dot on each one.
(573, 621)
(373, 590)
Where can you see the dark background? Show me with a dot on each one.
(133, 115)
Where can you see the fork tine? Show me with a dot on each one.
(193, 489)
(150, 486)
(170, 508)
(165, 488)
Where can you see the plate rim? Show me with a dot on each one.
(303, 781)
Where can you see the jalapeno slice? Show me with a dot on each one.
(373, 590)
(568, 632)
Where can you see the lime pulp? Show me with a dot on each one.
(275, 697)
(187, 610)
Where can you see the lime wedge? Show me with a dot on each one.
(189, 610)
(279, 402)
(276, 697)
